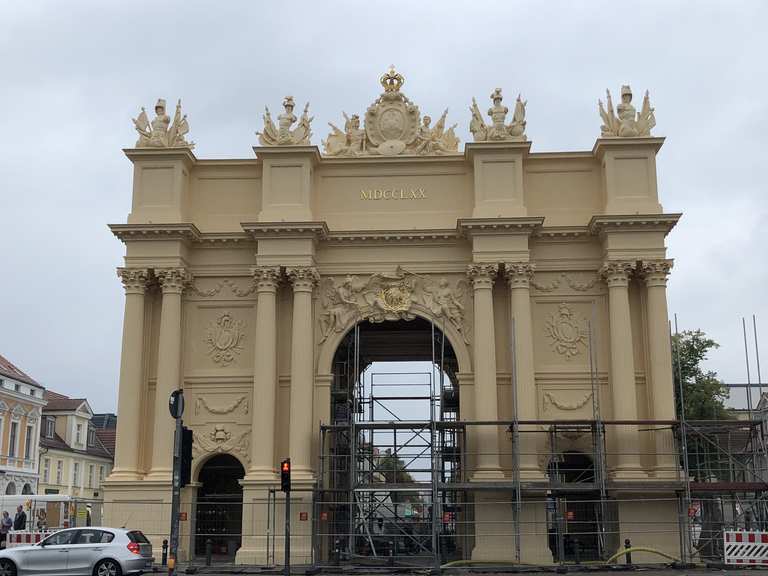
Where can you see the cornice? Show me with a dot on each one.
(562, 233)
(265, 230)
(451, 158)
(279, 152)
(472, 148)
(184, 154)
(493, 226)
(599, 225)
(387, 236)
(186, 232)
(602, 145)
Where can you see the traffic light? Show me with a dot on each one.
(186, 456)
(285, 475)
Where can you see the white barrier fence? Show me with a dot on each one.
(745, 547)
(24, 538)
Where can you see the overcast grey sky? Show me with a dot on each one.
(74, 73)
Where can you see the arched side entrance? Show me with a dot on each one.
(394, 397)
(219, 506)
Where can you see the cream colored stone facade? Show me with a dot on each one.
(235, 272)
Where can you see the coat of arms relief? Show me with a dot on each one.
(383, 297)
(393, 126)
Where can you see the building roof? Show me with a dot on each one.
(107, 436)
(58, 443)
(7, 368)
(58, 402)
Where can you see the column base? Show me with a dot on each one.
(629, 473)
(667, 474)
(265, 476)
(487, 475)
(302, 475)
(124, 476)
(159, 475)
(532, 475)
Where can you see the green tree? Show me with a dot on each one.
(705, 394)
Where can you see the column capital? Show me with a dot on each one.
(482, 275)
(519, 274)
(266, 278)
(173, 280)
(303, 278)
(134, 279)
(617, 272)
(655, 272)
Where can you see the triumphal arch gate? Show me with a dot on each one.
(532, 285)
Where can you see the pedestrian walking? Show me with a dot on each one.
(20, 520)
(5, 525)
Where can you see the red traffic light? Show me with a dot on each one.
(285, 475)
(285, 466)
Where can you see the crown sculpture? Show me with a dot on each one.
(393, 126)
(626, 123)
(499, 129)
(161, 133)
(283, 134)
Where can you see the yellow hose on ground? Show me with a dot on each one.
(624, 551)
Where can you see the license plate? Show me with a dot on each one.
(148, 564)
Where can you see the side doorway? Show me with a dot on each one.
(220, 508)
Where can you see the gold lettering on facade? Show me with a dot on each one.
(393, 194)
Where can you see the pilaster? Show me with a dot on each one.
(498, 169)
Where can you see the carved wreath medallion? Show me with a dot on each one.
(566, 332)
(224, 338)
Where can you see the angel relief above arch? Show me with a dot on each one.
(383, 297)
(393, 126)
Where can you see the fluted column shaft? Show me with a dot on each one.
(131, 374)
(660, 358)
(484, 351)
(172, 282)
(302, 369)
(622, 375)
(264, 375)
(519, 275)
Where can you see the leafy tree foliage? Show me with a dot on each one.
(705, 394)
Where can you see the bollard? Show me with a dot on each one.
(208, 551)
(391, 560)
(336, 553)
(164, 557)
(576, 551)
(627, 545)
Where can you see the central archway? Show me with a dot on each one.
(219, 507)
(394, 394)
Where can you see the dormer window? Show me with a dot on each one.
(50, 427)
(91, 437)
(79, 434)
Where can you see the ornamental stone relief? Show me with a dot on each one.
(233, 287)
(384, 297)
(202, 405)
(550, 399)
(566, 331)
(565, 280)
(224, 338)
(219, 440)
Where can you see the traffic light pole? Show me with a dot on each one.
(287, 567)
(175, 498)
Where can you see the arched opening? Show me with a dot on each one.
(219, 507)
(574, 510)
(27, 489)
(10, 489)
(394, 397)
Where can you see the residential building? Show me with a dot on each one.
(73, 458)
(21, 402)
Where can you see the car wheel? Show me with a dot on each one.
(7, 568)
(106, 568)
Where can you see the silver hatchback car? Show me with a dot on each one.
(88, 551)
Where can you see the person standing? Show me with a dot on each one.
(5, 525)
(20, 520)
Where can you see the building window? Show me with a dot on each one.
(79, 434)
(50, 427)
(90, 475)
(59, 469)
(91, 436)
(46, 470)
(101, 474)
(28, 444)
(17, 387)
(14, 438)
(76, 474)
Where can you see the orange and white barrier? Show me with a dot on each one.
(24, 538)
(742, 547)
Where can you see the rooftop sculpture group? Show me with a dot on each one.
(161, 133)
(394, 125)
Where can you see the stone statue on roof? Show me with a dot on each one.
(498, 130)
(626, 122)
(161, 132)
(283, 134)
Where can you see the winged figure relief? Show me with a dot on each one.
(283, 133)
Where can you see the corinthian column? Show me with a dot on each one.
(302, 369)
(622, 375)
(172, 281)
(519, 275)
(660, 359)
(484, 352)
(264, 375)
(131, 375)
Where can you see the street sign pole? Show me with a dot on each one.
(176, 407)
